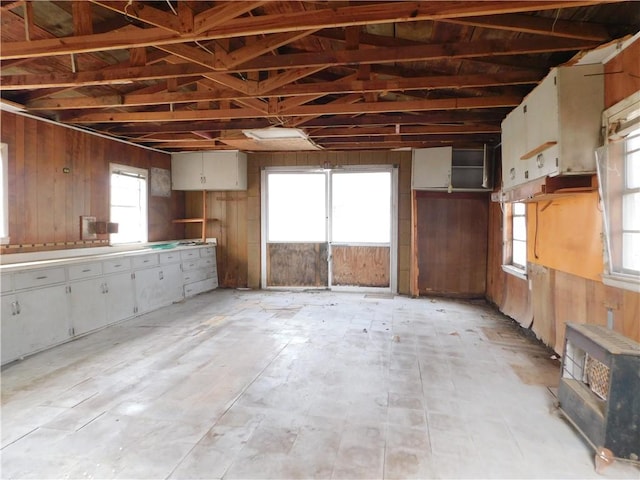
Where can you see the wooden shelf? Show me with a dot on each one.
(203, 220)
(194, 220)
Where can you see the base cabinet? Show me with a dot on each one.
(34, 320)
(43, 307)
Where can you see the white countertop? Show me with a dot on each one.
(13, 261)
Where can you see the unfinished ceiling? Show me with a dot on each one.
(187, 75)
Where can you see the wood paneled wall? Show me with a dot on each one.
(451, 243)
(238, 227)
(565, 251)
(45, 204)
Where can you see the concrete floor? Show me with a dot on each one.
(235, 384)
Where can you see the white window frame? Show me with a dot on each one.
(619, 121)
(139, 173)
(508, 266)
(4, 198)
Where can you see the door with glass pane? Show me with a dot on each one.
(295, 229)
(361, 227)
(324, 228)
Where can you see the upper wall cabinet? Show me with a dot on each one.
(556, 129)
(446, 168)
(215, 170)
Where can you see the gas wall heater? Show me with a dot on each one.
(599, 390)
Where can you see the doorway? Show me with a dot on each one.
(330, 228)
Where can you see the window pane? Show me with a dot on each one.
(129, 208)
(519, 228)
(631, 252)
(633, 140)
(631, 211)
(633, 170)
(518, 209)
(296, 207)
(361, 207)
(519, 253)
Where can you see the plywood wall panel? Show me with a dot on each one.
(297, 265)
(360, 266)
(543, 303)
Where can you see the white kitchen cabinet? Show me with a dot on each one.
(120, 298)
(445, 168)
(431, 168)
(33, 320)
(556, 129)
(157, 287)
(43, 307)
(200, 274)
(213, 170)
(87, 305)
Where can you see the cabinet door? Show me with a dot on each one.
(186, 171)
(171, 283)
(147, 287)
(120, 297)
(44, 318)
(431, 168)
(225, 170)
(514, 144)
(87, 305)
(541, 114)
(12, 341)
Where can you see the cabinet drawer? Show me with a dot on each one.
(208, 252)
(194, 275)
(145, 260)
(85, 270)
(187, 254)
(192, 265)
(116, 265)
(38, 278)
(208, 263)
(6, 283)
(169, 257)
(199, 287)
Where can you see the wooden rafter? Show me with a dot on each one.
(326, 17)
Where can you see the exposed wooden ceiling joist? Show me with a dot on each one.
(352, 75)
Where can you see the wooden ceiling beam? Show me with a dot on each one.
(537, 25)
(405, 130)
(389, 12)
(264, 45)
(103, 77)
(481, 48)
(384, 139)
(301, 111)
(82, 17)
(143, 12)
(459, 50)
(221, 14)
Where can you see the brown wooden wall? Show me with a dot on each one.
(565, 251)
(451, 243)
(238, 227)
(45, 204)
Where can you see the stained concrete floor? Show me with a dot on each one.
(246, 384)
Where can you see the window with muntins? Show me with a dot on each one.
(129, 204)
(515, 239)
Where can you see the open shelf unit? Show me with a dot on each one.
(203, 220)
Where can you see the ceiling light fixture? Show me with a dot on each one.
(275, 133)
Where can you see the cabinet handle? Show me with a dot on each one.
(117, 265)
(42, 277)
(86, 270)
(145, 261)
(161, 275)
(106, 288)
(18, 308)
(13, 308)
